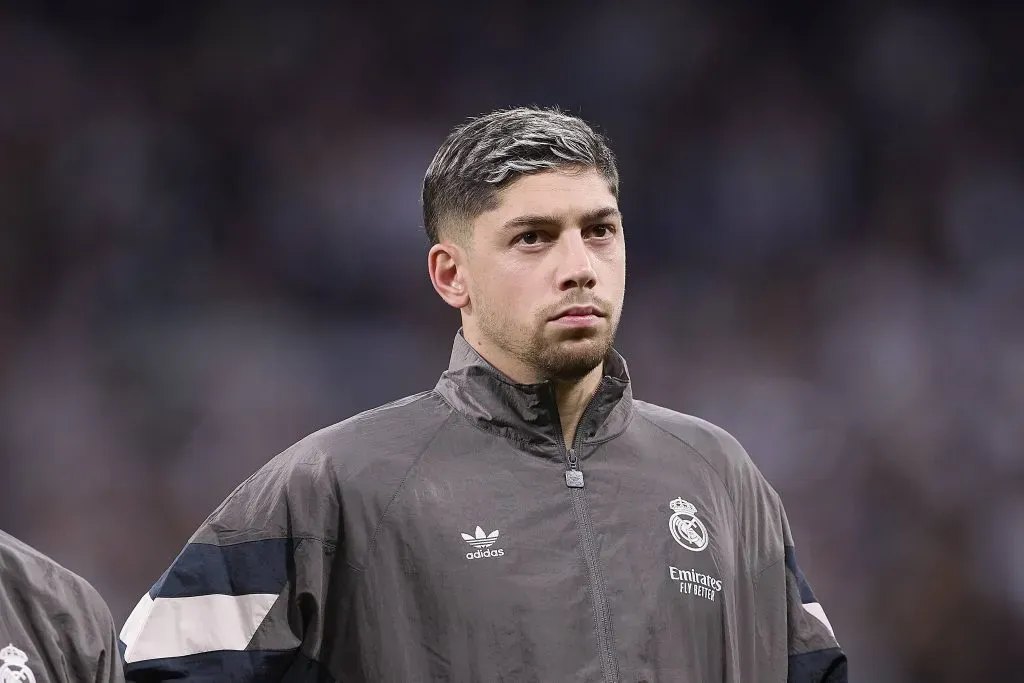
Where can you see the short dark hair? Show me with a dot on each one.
(489, 152)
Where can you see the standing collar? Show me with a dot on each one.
(528, 413)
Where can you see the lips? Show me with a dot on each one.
(577, 311)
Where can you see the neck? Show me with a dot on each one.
(598, 407)
(572, 398)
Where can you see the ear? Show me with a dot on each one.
(445, 263)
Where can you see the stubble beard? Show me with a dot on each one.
(561, 355)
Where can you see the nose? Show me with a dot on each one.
(577, 267)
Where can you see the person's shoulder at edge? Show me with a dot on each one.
(50, 587)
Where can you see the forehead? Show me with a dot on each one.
(559, 192)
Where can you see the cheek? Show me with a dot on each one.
(514, 290)
(500, 296)
(515, 303)
(508, 285)
(614, 270)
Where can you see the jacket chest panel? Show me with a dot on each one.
(489, 539)
(487, 570)
(669, 553)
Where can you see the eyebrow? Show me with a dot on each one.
(538, 220)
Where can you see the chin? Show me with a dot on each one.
(572, 359)
(572, 371)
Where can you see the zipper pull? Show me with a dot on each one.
(573, 475)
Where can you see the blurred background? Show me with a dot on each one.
(211, 245)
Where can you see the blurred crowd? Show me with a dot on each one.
(211, 245)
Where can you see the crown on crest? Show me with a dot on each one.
(680, 505)
(13, 655)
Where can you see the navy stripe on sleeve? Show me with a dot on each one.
(820, 666)
(240, 569)
(231, 667)
(806, 594)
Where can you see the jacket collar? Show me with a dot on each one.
(528, 413)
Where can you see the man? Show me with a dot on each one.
(54, 627)
(525, 520)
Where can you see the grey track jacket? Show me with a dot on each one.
(54, 627)
(452, 536)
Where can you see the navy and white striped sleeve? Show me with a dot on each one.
(241, 602)
(814, 653)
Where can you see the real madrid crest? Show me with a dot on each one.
(15, 668)
(688, 531)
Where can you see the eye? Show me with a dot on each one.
(530, 238)
(602, 231)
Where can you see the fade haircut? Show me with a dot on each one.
(490, 152)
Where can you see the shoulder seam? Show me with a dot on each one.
(683, 441)
(398, 403)
(387, 508)
(298, 538)
(777, 502)
(324, 457)
(759, 573)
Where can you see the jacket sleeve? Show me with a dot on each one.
(243, 600)
(109, 668)
(814, 654)
(88, 646)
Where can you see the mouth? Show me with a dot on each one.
(578, 313)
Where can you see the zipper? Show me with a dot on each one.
(573, 473)
(574, 481)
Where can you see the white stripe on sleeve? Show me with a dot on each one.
(816, 609)
(175, 627)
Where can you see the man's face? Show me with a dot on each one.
(546, 274)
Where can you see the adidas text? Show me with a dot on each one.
(482, 541)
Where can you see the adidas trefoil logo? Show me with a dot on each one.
(482, 542)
